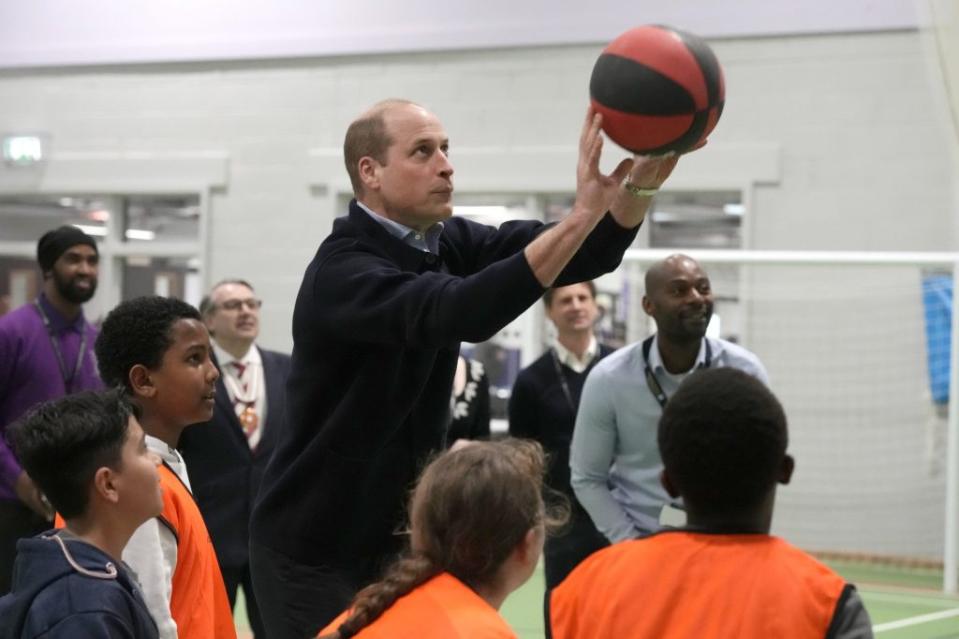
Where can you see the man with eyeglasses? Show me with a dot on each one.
(226, 457)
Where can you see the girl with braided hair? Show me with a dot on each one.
(477, 526)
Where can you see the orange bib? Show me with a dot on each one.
(682, 585)
(442, 608)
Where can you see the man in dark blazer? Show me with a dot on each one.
(226, 458)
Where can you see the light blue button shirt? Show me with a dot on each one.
(428, 241)
(614, 458)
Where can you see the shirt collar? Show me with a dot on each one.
(427, 242)
(164, 451)
(568, 358)
(57, 321)
(656, 361)
(223, 358)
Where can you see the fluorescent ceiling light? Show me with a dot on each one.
(666, 216)
(96, 231)
(139, 234)
(734, 209)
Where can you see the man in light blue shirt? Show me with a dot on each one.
(614, 458)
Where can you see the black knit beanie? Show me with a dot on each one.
(55, 243)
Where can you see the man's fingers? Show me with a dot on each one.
(595, 151)
(653, 170)
(622, 170)
(587, 126)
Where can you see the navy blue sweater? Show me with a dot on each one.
(539, 409)
(53, 600)
(376, 331)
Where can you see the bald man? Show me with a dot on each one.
(377, 325)
(614, 460)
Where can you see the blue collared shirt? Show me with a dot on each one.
(428, 242)
(614, 456)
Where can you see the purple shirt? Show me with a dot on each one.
(30, 373)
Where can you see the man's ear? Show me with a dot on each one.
(105, 485)
(786, 470)
(141, 383)
(369, 171)
(668, 484)
(647, 306)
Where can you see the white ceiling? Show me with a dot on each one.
(83, 32)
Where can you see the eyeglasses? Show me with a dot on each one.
(235, 305)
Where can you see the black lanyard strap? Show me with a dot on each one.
(562, 381)
(652, 382)
(55, 343)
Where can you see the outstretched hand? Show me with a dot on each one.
(595, 192)
(650, 171)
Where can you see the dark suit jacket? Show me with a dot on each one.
(224, 473)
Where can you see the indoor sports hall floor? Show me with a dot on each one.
(903, 603)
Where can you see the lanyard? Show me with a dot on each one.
(562, 381)
(562, 377)
(55, 343)
(653, 383)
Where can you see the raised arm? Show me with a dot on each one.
(596, 194)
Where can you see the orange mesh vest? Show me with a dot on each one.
(198, 602)
(677, 585)
(442, 608)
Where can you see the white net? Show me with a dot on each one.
(846, 349)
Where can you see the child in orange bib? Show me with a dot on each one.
(159, 350)
(477, 526)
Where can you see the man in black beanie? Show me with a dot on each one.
(46, 351)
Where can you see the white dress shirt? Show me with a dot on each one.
(568, 358)
(253, 378)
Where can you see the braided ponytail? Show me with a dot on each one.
(401, 578)
(471, 508)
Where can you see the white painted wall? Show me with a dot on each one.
(839, 142)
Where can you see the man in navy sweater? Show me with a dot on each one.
(382, 309)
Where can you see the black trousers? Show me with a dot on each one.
(16, 521)
(563, 553)
(233, 578)
(297, 600)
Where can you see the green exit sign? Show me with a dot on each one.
(23, 150)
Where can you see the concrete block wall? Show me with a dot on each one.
(849, 131)
(837, 142)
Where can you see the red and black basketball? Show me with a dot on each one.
(659, 90)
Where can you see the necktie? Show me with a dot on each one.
(245, 406)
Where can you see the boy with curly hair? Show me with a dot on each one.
(159, 350)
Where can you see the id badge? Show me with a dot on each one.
(672, 515)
